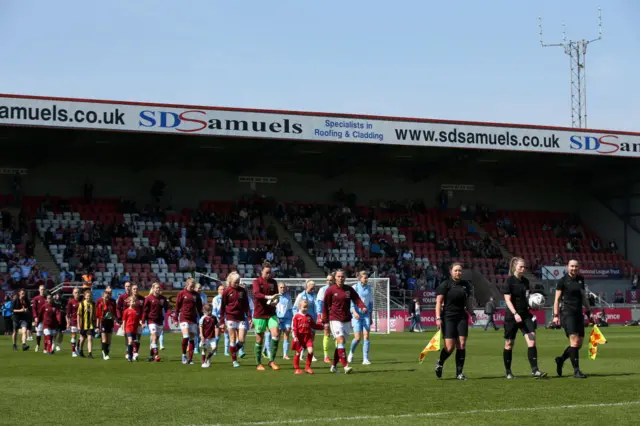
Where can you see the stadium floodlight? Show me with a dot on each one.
(577, 51)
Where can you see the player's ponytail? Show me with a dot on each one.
(512, 265)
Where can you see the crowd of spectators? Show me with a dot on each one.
(322, 229)
(18, 265)
(209, 240)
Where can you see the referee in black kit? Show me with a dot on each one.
(455, 294)
(572, 291)
(518, 317)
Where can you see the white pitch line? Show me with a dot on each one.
(434, 414)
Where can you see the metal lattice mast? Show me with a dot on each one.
(577, 52)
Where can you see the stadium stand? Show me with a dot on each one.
(18, 264)
(412, 245)
(413, 248)
(114, 242)
(551, 238)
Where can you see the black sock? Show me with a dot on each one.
(532, 354)
(209, 355)
(565, 354)
(574, 356)
(443, 356)
(107, 348)
(104, 348)
(506, 356)
(460, 356)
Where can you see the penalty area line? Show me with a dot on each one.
(434, 414)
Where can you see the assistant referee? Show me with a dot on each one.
(571, 290)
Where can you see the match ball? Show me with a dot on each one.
(536, 301)
(274, 301)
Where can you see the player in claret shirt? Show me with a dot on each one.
(327, 332)
(72, 319)
(62, 324)
(234, 308)
(155, 307)
(36, 304)
(208, 333)
(188, 308)
(131, 323)
(49, 318)
(105, 317)
(336, 311)
(303, 334)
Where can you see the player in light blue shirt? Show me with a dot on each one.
(244, 328)
(319, 302)
(284, 311)
(309, 295)
(361, 322)
(216, 302)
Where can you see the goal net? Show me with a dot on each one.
(381, 315)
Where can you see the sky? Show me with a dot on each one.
(459, 60)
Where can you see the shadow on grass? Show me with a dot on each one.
(569, 376)
(610, 374)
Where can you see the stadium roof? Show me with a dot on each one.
(246, 155)
(144, 138)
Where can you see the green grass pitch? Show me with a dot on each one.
(395, 389)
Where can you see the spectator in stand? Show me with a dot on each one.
(634, 282)
(414, 314)
(183, 264)
(557, 260)
(7, 313)
(613, 247)
(595, 244)
(124, 278)
(570, 247)
(490, 310)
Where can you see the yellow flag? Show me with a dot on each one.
(595, 338)
(433, 345)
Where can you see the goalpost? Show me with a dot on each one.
(381, 315)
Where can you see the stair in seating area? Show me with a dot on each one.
(45, 259)
(311, 267)
(506, 254)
